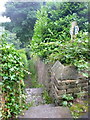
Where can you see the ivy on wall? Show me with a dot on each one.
(12, 73)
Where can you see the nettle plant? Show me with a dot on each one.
(12, 73)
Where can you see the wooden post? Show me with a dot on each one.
(74, 30)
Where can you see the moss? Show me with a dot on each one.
(78, 109)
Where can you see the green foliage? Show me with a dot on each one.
(32, 70)
(12, 74)
(78, 109)
(74, 53)
(24, 58)
(12, 39)
(75, 103)
(46, 97)
(67, 100)
(23, 17)
(33, 76)
(54, 19)
(51, 39)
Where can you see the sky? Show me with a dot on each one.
(2, 9)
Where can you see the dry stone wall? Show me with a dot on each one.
(61, 80)
(43, 73)
(66, 80)
(64, 72)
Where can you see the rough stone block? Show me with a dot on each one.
(56, 96)
(84, 88)
(70, 73)
(61, 92)
(62, 72)
(73, 83)
(59, 83)
(53, 93)
(82, 85)
(73, 90)
(71, 86)
(55, 88)
(57, 69)
(69, 81)
(83, 81)
(61, 87)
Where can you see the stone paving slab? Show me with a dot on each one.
(47, 112)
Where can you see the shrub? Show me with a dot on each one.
(46, 97)
(11, 39)
(12, 74)
(51, 38)
(34, 75)
(75, 53)
(24, 57)
(54, 19)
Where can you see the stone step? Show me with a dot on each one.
(46, 105)
(36, 100)
(45, 111)
(34, 95)
(34, 91)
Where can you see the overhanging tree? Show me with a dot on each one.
(23, 17)
(54, 20)
(51, 40)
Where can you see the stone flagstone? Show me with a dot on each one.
(45, 111)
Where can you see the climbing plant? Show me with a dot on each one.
(12, 73)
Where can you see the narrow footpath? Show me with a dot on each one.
(42, 110)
